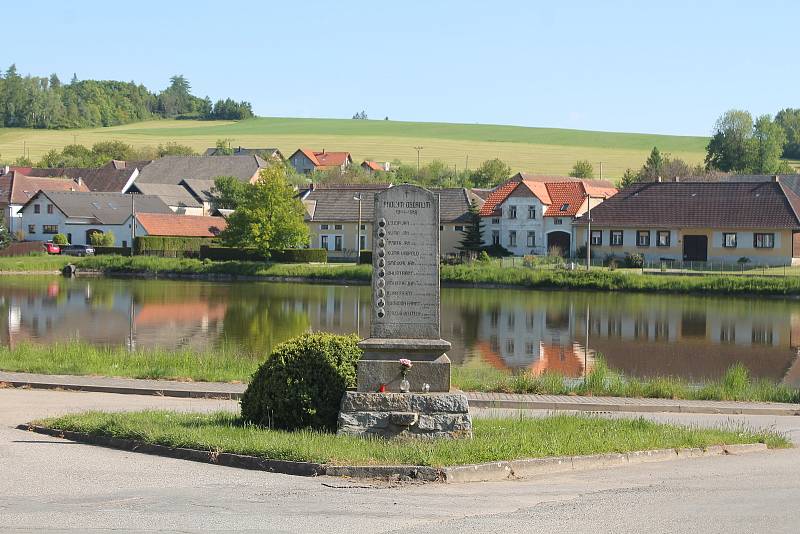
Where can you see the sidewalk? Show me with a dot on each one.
(217, 390)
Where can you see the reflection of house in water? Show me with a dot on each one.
(192, 324)
(536, 339)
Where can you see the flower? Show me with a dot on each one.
(405, 362)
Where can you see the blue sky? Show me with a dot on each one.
(604, 65)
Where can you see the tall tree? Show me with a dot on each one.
(765, 147)
(629, 178)
(789, 120)
(582, 169)
(270, 216)
(728, 149)
(473, 234)
(229, 192)
(490, 173)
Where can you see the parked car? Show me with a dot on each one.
(77, 250)
(52, 248)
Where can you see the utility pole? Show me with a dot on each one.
(589, 232)
(466, 164)
(601, 170)
(133, 222)
(418, 149)
(359, 196)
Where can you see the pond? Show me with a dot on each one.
(639, 334)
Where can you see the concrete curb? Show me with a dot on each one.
(124, 390)
(486, 472)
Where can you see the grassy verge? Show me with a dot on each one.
(501, 439)
(472, 274)
(735, 385)
(228, 365)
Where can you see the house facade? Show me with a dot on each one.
(80, 214)
(307, 161)
(16, 189)
(718, 222)
(533, 215)
(332, 217)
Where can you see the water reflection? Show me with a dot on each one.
(641, 335)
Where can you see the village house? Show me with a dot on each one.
(177, 197)
(173, 170)
(264, 153)
(114, 177)
(532, 215)
(307, 161)
(699, 222)
(80, 214)
(332, 216)
(376, 166)
(16, 189)
(174, 225)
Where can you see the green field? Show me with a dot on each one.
(536, 150)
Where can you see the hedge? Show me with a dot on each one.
(119, 251)
(289, 255)
(152, 243)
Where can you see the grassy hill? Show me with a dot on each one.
(539, 150)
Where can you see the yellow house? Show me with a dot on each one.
(332, 216)
(717, 222)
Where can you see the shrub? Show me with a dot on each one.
(534, 261)
(743, 260)
(299, 255)
(60, 239)
(158, 244)
(497, 251)
(102, 239)
(611, 262)
(118, 251)
(483, 257)
(634, 261)
(302, 382)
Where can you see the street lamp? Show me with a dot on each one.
(359, 197)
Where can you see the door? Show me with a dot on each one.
(558, 242)
(695, 248)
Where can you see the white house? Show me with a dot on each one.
(307, 161)
(79, 214)
(17, 188)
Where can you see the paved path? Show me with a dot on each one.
(171, 388)
(56, 485)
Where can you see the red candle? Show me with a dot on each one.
(382, 388)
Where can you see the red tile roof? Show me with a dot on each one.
(164, 224)
(552, 194)
(332, 159)
(566, 199)
(497, 197)
(24, 187)
(374, 165)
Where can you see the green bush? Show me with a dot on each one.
(302, 382)
(102, 239)
(497, 251)
(536, 261)
(60, 239)
(634, 261)
(299, 255)
(154, 243)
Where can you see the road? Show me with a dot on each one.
(55, 485)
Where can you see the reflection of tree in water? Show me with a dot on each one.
(257, 325)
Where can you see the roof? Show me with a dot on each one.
(454, 204)
(174, 169)
(5, 188)
(172, 195)
(337, 203)
(127, 165)
(374, 165)
(108, 178)
(172, 224)
(324, 158)
(700, 205)
(563, 191)
(201, 189)
(102, 208)
(23, 187)
(548, 178)
(566, 199)
(240, 151)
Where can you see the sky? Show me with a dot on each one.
(605, 65)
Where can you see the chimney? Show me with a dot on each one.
(79, 180)
(776, 178)
(677, 178)
(323, 150)
(658, 179)
(5, 170)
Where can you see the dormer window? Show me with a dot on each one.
(564, 207)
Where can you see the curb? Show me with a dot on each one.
(125, 390)
(486, 472)
(643, 408)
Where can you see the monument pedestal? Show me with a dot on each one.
(405, 415)
(380, 364)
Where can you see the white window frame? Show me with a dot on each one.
(597, 238)
(764, 240)
(613, 242)
(734, 242)
(531, 239)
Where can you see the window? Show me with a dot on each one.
(323, 226)
(512, 238)
(458, 228)
(531, 239)
(31, 229)
(495, 237)
(564, 207)
(597, 237)
(37, 208)
(495, 221)
(616, 238)
(441, 227)
(530, 349)
(643, 238)
(557, 221)
(509, 346)
(323, 242)
(49, 228)
(663, 238)
(531, 212)
(729, 240)
(512, 212)
(337, 242)
(763, 240)
(337, 226)
(49, 208)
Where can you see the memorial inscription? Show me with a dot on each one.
(406, 264)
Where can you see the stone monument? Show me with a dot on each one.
(392, 400)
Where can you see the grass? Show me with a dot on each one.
(475, 274)
(227, 365)
(540, 150)
(494, 440)
(735, 385)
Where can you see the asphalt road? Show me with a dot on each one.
(55, 485)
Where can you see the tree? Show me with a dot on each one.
(60, 239)
(651, 170)
(789, 120)
(582, 169)
(5, 236)
(174, 149)
(490, 173)
(102, 239)
(473, 235)
(629, 178)
(228, 192)
(361, 115)
(224, 147)
(765, 147)
(728, 149)
(269, 217)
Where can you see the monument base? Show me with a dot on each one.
(371, 374)
(405, 415)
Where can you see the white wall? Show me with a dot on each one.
(77, 228)
(522, 225)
